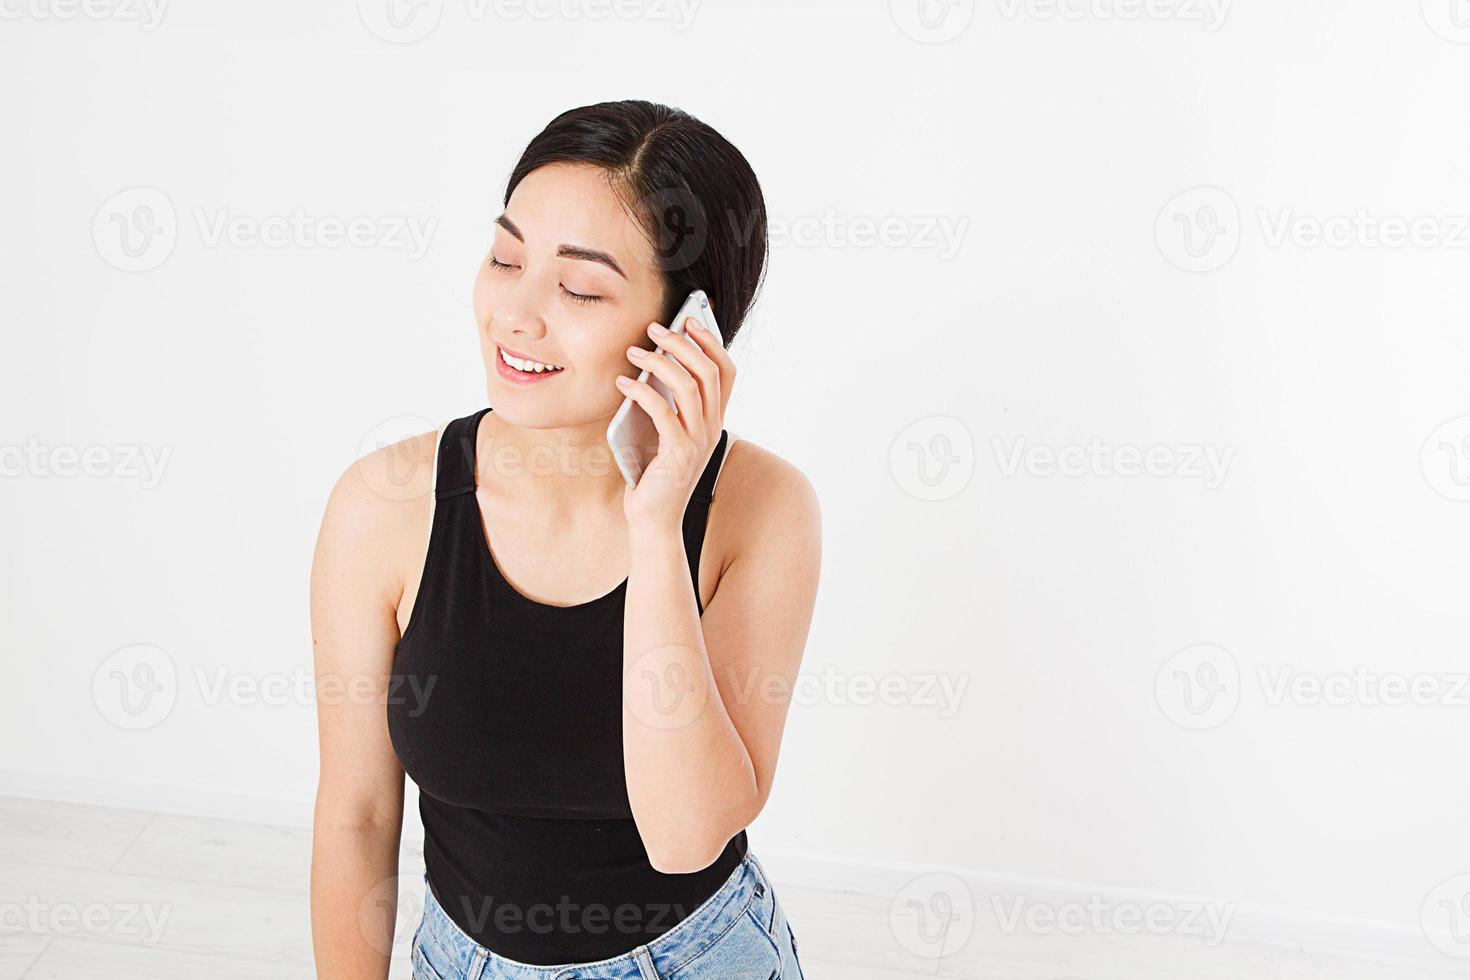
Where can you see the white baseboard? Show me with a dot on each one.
(1369, 941)
(1362, 940)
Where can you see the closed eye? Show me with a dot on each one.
(579, 297)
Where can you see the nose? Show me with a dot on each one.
(519, 313)
(518, 322)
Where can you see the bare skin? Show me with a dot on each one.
(564, 535)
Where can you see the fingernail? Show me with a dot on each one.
(624, 381)
(659, 329)
(694, 324)
(636, 352)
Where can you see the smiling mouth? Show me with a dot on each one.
(527, 364)
(523, 369)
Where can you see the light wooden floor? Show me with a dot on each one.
(128, 895)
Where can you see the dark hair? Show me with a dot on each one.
(692, 192)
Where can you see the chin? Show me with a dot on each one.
(525, 407)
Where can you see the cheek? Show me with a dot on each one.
(592, 344)
(597, 346)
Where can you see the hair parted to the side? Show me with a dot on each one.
(692, 191)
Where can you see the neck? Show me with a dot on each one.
(567, 467)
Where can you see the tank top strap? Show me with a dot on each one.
(456, 473)
(704, 490)
(696, 515)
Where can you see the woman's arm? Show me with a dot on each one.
(356, 584)
(704, 702)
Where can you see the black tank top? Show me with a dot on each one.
(517, 750)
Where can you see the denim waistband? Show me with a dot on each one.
(701, 929)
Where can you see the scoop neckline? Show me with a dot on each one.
(482, 532)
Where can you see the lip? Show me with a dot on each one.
(520, 377)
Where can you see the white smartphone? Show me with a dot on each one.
(632, 435)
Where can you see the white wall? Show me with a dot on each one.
(1051, 149)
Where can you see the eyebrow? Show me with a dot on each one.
(567, 251)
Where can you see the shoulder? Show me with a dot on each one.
(764, 499)
(379, 506)
(386, 482)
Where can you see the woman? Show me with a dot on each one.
(588, 751)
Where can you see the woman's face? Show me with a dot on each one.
(570, 281)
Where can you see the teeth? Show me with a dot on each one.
(531, 367)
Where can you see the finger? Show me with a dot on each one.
(688, 402)
(696, 361)
(713, 346)
(685, 350)
(672, 440)
(707, 370)
(676, 376)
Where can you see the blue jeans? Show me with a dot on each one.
(739, 933)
